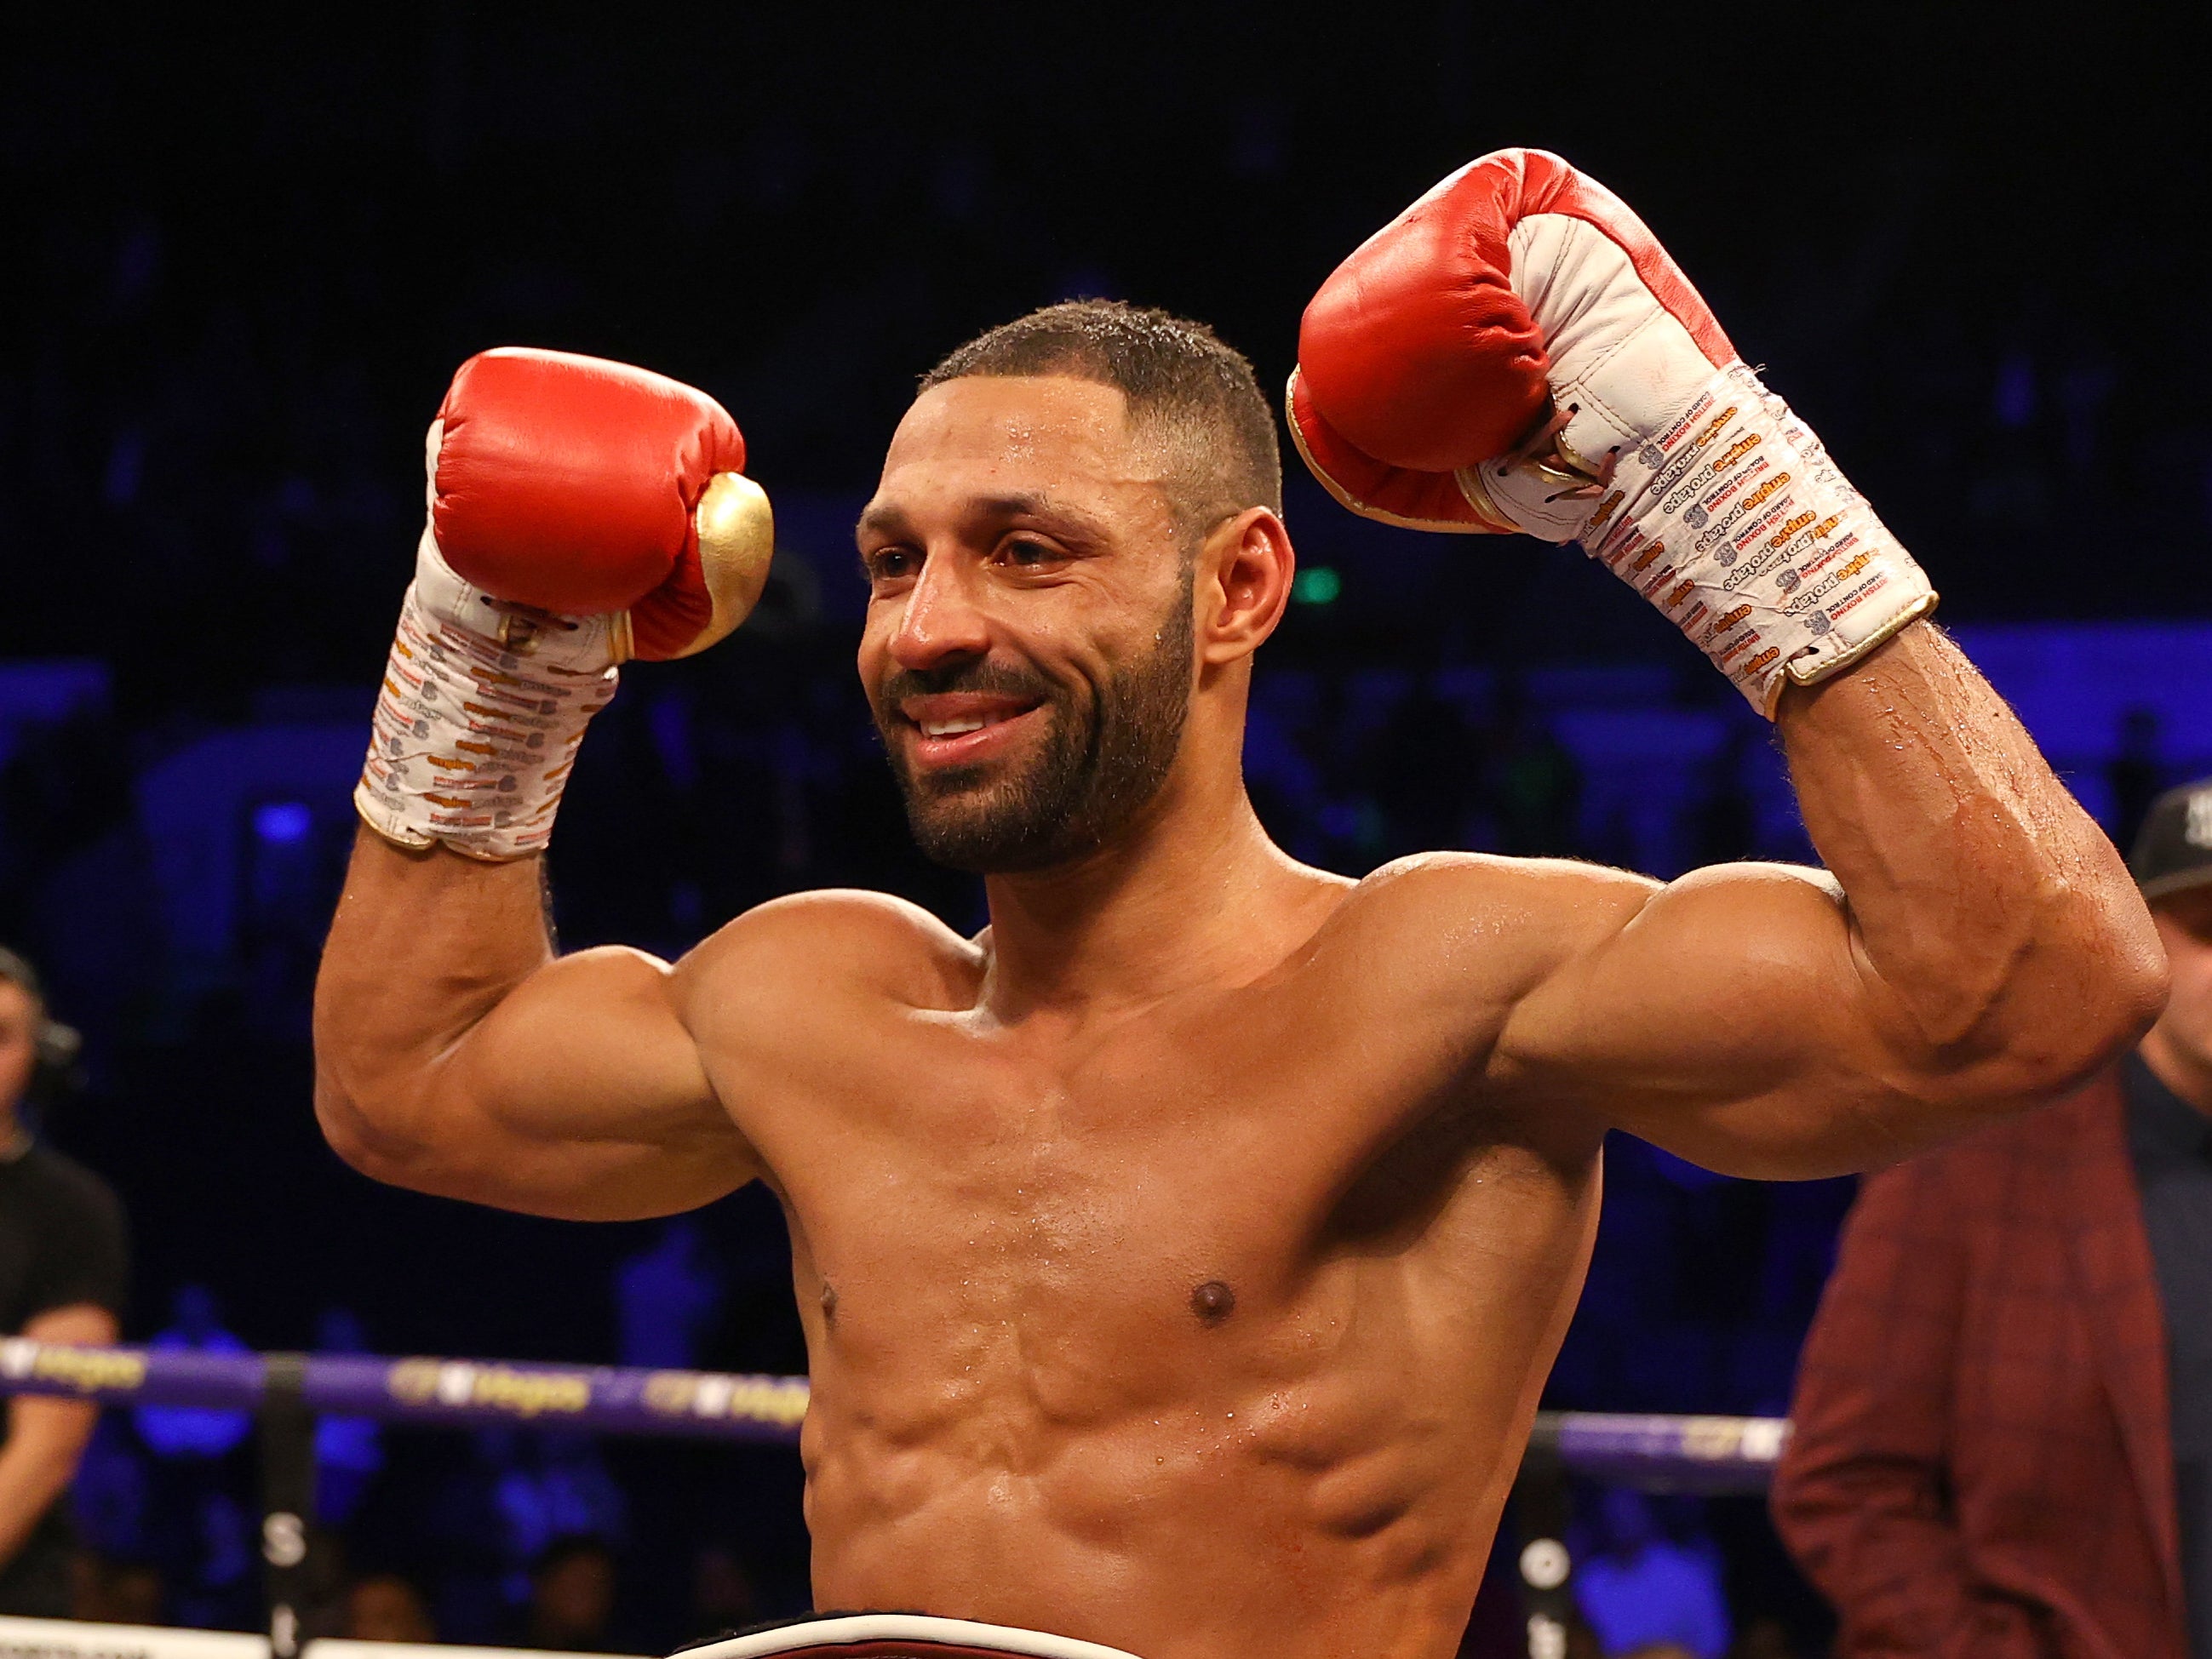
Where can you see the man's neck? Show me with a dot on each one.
(15, 1138)
(2182, 1069)
(1194, 894)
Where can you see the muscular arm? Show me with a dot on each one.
(456, 1055)
(1977, 947)
(47, 1437)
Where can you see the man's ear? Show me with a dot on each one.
(1244, 571)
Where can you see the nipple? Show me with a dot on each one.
(1213, 1302)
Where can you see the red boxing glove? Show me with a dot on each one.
(1516, 352)
(589, 488)
(581, 514)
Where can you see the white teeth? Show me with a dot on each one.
(949, 729)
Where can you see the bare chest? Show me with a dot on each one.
(1151, 1217)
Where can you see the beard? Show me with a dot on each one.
(1102, 758)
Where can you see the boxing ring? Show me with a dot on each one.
(287, 1392)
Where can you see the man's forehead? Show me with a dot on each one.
(1034, 438)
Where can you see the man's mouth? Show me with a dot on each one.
(959, 728)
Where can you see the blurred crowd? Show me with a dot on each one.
(242, 290)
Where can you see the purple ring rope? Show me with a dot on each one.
(1681, 1454)
(611, 1401)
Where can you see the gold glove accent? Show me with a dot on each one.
(737, 541)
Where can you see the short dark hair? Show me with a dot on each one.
(1179, 377)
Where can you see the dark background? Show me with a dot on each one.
(244, 255)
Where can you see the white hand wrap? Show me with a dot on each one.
(479, 719)
(1731, 519)
(1724, 510)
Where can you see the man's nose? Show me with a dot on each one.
(941, 621)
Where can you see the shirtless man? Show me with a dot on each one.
(1183, 1256)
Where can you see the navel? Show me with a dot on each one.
(829, 1300)
(1213, 1302)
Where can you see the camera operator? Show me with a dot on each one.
(62, 1274)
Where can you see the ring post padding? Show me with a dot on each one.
(287, 1497)
(1541, 1507)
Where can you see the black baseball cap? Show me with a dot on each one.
(2173, 849)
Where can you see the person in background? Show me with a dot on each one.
(723, 1597)
(348, 1450)
(62, 1266)
(2003, 1443)
(193, 1433)
(571, 1596)
(1642, 1592)
(383, 1606)
(667, 1298)
(2136, 775)
(111, 1592)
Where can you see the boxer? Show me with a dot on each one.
(1182, 1256)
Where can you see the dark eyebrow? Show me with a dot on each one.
(885, 519)
(1029, 506)
(881, 519)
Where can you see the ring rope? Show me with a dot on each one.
(1701, 1454)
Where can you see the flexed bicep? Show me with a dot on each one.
(456, 1055)
(1731, 1017)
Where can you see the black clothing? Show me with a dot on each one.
(62, 1244)
(2170, 1143)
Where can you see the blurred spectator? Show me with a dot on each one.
(1427, 765)
(1643, 1593)
(202, 1530)
(110, 1592)
(666, 1298)
(109, 1501)
(348, 1450)
(184, 1432)
(383, 1606)
(1726, 823)
(1535, 788)
(572, 1597)
(2136, 774)
(2004, 1412)
(480, 1581)
(62, 1264)
(557, 1487)
(723, 1595)
(1763, 1638)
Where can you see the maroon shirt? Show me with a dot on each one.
(1982, 1467)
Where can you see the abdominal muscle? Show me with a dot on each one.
(1200, 1496)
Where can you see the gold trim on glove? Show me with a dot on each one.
(737, 540)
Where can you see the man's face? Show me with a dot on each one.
(1028, 652)
(2184, 926)
(19, 1042)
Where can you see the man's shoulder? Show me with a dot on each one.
(831, 939)
(1536, 911)
(1495, 879)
